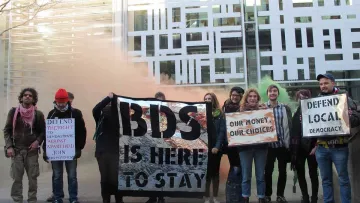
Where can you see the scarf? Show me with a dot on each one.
(248, 107)
(230, 107)
(27, 116)
(61, 110)
(216, 113)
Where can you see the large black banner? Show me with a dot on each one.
(163, 147)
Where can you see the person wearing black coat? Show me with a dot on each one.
(302, 150)
(215, 145)
(233, 184)
(62, 109)
(107, 149)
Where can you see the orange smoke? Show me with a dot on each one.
(98, 68)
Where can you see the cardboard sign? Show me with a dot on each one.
(60, 139)
(251, 127)
(325, 116)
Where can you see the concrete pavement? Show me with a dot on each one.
(89, 187)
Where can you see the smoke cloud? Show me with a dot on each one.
(99, 67)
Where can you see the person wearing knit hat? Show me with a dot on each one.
(233, 183)
(71, 98)
(63, 110)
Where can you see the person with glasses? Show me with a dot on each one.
(233, 183)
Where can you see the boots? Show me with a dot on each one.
(118, 198)
(314, 199)
(106, 199)
(305, 199)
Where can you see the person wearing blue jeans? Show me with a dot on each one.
(51, 197)
(258, 153)
(58, 185)
(325, 158)
(335, 150)
(64, 110)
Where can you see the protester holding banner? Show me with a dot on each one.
(332, 149)
(302, 150)
(160, 96)
(278, 150)
(234, 181)
(107, 149)
(215, 146)
(24, 132)
(160, 199)
(63, 110)
(256, 153)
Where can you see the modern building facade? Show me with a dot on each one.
(215, 43)
(228, 42)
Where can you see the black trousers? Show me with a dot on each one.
(212, 175)
(108, 166)
(313, 173)
(233, 156)
(282, 156)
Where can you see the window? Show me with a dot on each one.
(176, 15)
(140, 20)
(196, 20)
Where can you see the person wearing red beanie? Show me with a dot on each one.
(62, 110)
(71, 98)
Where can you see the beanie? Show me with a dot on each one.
(61, 96)
(239, 90)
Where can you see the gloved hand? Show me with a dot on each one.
(77, 154)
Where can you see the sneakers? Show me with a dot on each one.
(281, 199)
(207, 200)
(215, 201)
(161, 200)
(246, 200)
(262, 200)
(50, 198)
(268, 199)
(75, 201)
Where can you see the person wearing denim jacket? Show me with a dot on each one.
(215, 148)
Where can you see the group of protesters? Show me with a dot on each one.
(291, 147)
(24, 135)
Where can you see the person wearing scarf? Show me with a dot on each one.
(303, 149)
(234, 180)
(335, 150)
(215, 147)
(24, 132)
(62, 109)
(256, 153)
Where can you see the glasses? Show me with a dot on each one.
(27, 95)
